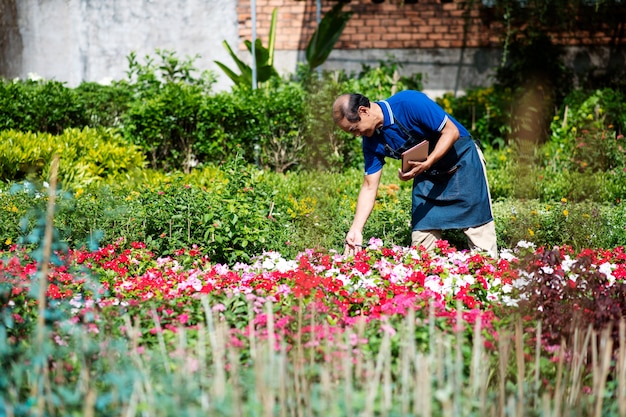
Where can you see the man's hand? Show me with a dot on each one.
(353, 243)
(417, 168)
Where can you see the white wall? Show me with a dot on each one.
(88, 40)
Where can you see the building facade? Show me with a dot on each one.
(455, 44)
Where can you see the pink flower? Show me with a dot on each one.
(183, 318)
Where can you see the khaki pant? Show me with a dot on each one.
(481, 238)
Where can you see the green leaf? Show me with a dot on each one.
(326, 35)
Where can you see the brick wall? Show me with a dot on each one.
(389, 25)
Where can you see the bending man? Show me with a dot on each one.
(450, 188)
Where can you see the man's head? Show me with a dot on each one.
(354, 114)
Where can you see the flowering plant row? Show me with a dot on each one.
(317, 293)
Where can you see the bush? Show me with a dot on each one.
(87, 156)
(104, 105)
(581, 225)
(486, 112)
(568, 292)
(39, 106)
(165, 125)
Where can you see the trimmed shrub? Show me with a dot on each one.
(39, 106)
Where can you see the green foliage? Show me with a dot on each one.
(382, 81)
(231, 221)
(39, 106)
(163, 118)
(267, 126)
(486, 112)
(165, 126)
(144, 79)
(565, 309)
(87, 156)
(104, 105)
(328, 148)
(581, 225)
(326, 35)
(264, 58)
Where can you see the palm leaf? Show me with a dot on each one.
(326, 35)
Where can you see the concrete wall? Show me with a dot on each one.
(89, 40)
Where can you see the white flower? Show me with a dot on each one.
(525, 244)
(567, 263)
(468, 279)
(607, 269)
(284, 266)
(507, 255)
(508, 301)
(433, 283)
(398, 274)
(268, 264)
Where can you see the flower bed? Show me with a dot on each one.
(423, 320)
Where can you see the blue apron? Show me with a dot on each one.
(454, 193)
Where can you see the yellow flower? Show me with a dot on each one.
(565, 213)
(564, 200)
(8, 241)
(530, 232)
(78, 192)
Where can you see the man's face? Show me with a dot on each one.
(364, 127)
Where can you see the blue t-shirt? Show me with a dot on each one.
(415, 111)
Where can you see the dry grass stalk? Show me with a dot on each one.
(41, 388)
(503, 361)
(621, 369)
(603, 367)
(217, 343)
(521, 366)
(161, 340)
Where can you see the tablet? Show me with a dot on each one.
(418, 153)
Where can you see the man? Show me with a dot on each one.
(450, 188)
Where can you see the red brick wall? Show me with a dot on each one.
(389, 25)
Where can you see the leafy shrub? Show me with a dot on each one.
(486, 112)
(163, 118)
(165, 125)
(104, 105)
(568, 293)
(584, 224)
(328, 148)
(87, 156)
(249, 122)
(586, 133)
(39, 106)
(381, 81)
(232, 220)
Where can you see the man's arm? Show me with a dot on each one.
(449, 135)
(364, 207)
